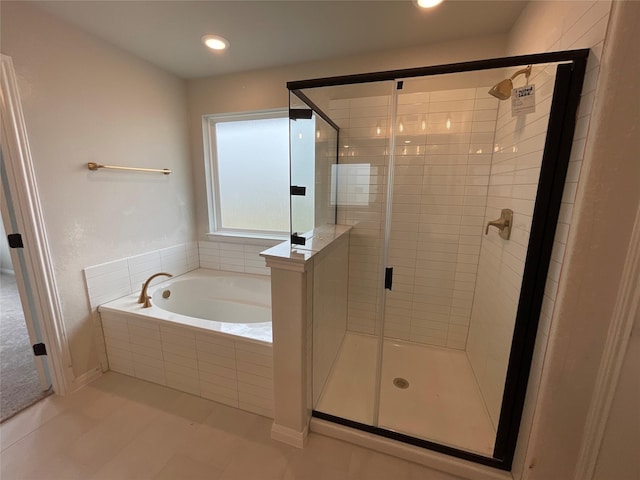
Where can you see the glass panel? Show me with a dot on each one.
(326, 151)
(427, 359)
(346, 352)
(460, 159)
(303, 169)
(314, 146)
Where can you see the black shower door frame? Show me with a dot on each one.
(555, 161)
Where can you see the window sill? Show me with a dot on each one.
(251, 238)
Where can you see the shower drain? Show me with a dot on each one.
(401, 382)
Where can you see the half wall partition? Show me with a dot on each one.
(453, 197)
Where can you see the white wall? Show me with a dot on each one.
(83, 101)
(622, 433)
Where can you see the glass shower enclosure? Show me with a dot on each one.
(453, 193)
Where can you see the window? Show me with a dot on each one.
(247, 160)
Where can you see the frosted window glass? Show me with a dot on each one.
(253, 174)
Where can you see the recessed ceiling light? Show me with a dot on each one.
(215, 42)
(428, 3)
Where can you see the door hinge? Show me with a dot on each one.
(297, 239)
(388, 277)
(39, 349)
(15, 240)
(300, 113)
(295, 190)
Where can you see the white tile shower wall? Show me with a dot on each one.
(515, 170)
(363, 154)
(326, 138)
(443, 152)
(235, 257)
(330, 280)
(585, 27)
(235, 372)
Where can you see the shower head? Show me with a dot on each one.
(502, 90)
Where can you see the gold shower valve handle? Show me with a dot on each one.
(503, 224)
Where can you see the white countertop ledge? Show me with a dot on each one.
(317, 240)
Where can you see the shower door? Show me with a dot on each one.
(445, 143)
(344, 365)
(453, 196)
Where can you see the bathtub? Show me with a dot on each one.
(207, 333)
(230, 303)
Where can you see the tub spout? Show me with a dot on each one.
(144, 298)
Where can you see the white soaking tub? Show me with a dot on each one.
(208, 333)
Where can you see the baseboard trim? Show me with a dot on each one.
(85, 379)
(289, 436)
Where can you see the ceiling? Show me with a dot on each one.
(269, 33)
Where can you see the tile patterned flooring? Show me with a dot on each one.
(120, 427)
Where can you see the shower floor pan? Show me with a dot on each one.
(442, 402)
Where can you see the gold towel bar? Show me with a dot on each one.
(95, 166)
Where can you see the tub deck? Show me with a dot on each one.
(260, 331)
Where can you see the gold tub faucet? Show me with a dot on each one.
(144, 298)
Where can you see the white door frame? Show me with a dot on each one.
(45, 312)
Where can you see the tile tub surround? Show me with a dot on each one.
(214, 360)
(236, 256)
(112, 280)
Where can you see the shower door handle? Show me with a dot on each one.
(388, 278)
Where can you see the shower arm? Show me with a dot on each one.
(526, 71)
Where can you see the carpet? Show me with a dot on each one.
(19, 384)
